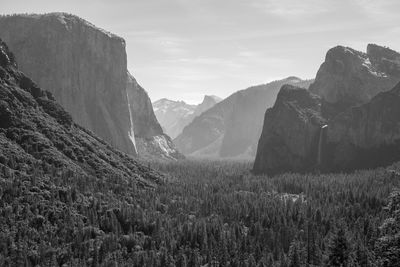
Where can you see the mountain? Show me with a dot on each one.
(365, 136)
(289, 139)
(349, 119)
(85, 68)
(349, 77)
(38, 136)
(150, 140)
(208, 102)
(61, 187)
(175, 115)
(232, 127)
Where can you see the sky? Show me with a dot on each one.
(184, 49)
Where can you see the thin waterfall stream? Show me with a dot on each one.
(322, 135)
(131, 132)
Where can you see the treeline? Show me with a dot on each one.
(208, 214)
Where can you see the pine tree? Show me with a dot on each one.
(251, 261)
(339, 249)
(388, 245)
(294, 255)
(182, 260)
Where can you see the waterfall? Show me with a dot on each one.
(321, 141)
(131, 132)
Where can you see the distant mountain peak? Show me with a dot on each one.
(174, 115)
(293, 79)
(232, 127)
(211, 98)
(163, 100)
(208, 101)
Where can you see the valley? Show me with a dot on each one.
(288, 172)
(206, 212)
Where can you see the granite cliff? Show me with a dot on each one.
(38, 137)
(150, 140)
(365, 136)
(349, 77)
(85, 68)
(352, 121)
(61, 186)
(289, 140)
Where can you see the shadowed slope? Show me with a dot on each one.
(232, 127)
(352, 124)
(36, 131)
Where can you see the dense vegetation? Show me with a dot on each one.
(213, 213)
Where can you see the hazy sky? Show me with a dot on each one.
(183, 49)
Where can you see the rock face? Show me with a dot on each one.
(291, 131)
(85, 68)
(349, 77)
(365, 136)
(208, 102)
(232, 127)
(82, 66)
(149, 138)
(174, 116)
(38, 136)
(352, 123)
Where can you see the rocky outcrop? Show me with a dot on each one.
(82, 66)
(38, 138)
(289, 140)
(174, 116)
(353, 122)
(85, 68)
(349, 77)
(208, 102)
(232, 127)
(365, 136)
(150, 140)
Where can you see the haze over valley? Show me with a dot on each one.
(200, 133)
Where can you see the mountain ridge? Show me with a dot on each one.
(36, 132)
(347, 120)
(236, 122)
(175, 115)
(85, 68)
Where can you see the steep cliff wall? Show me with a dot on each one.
(150, 140)
(81, 65)
(366, 136)
(37, 136)
(358, 117)
(85, 68)
(290, 136)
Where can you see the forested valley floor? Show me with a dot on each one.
(204, 214)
